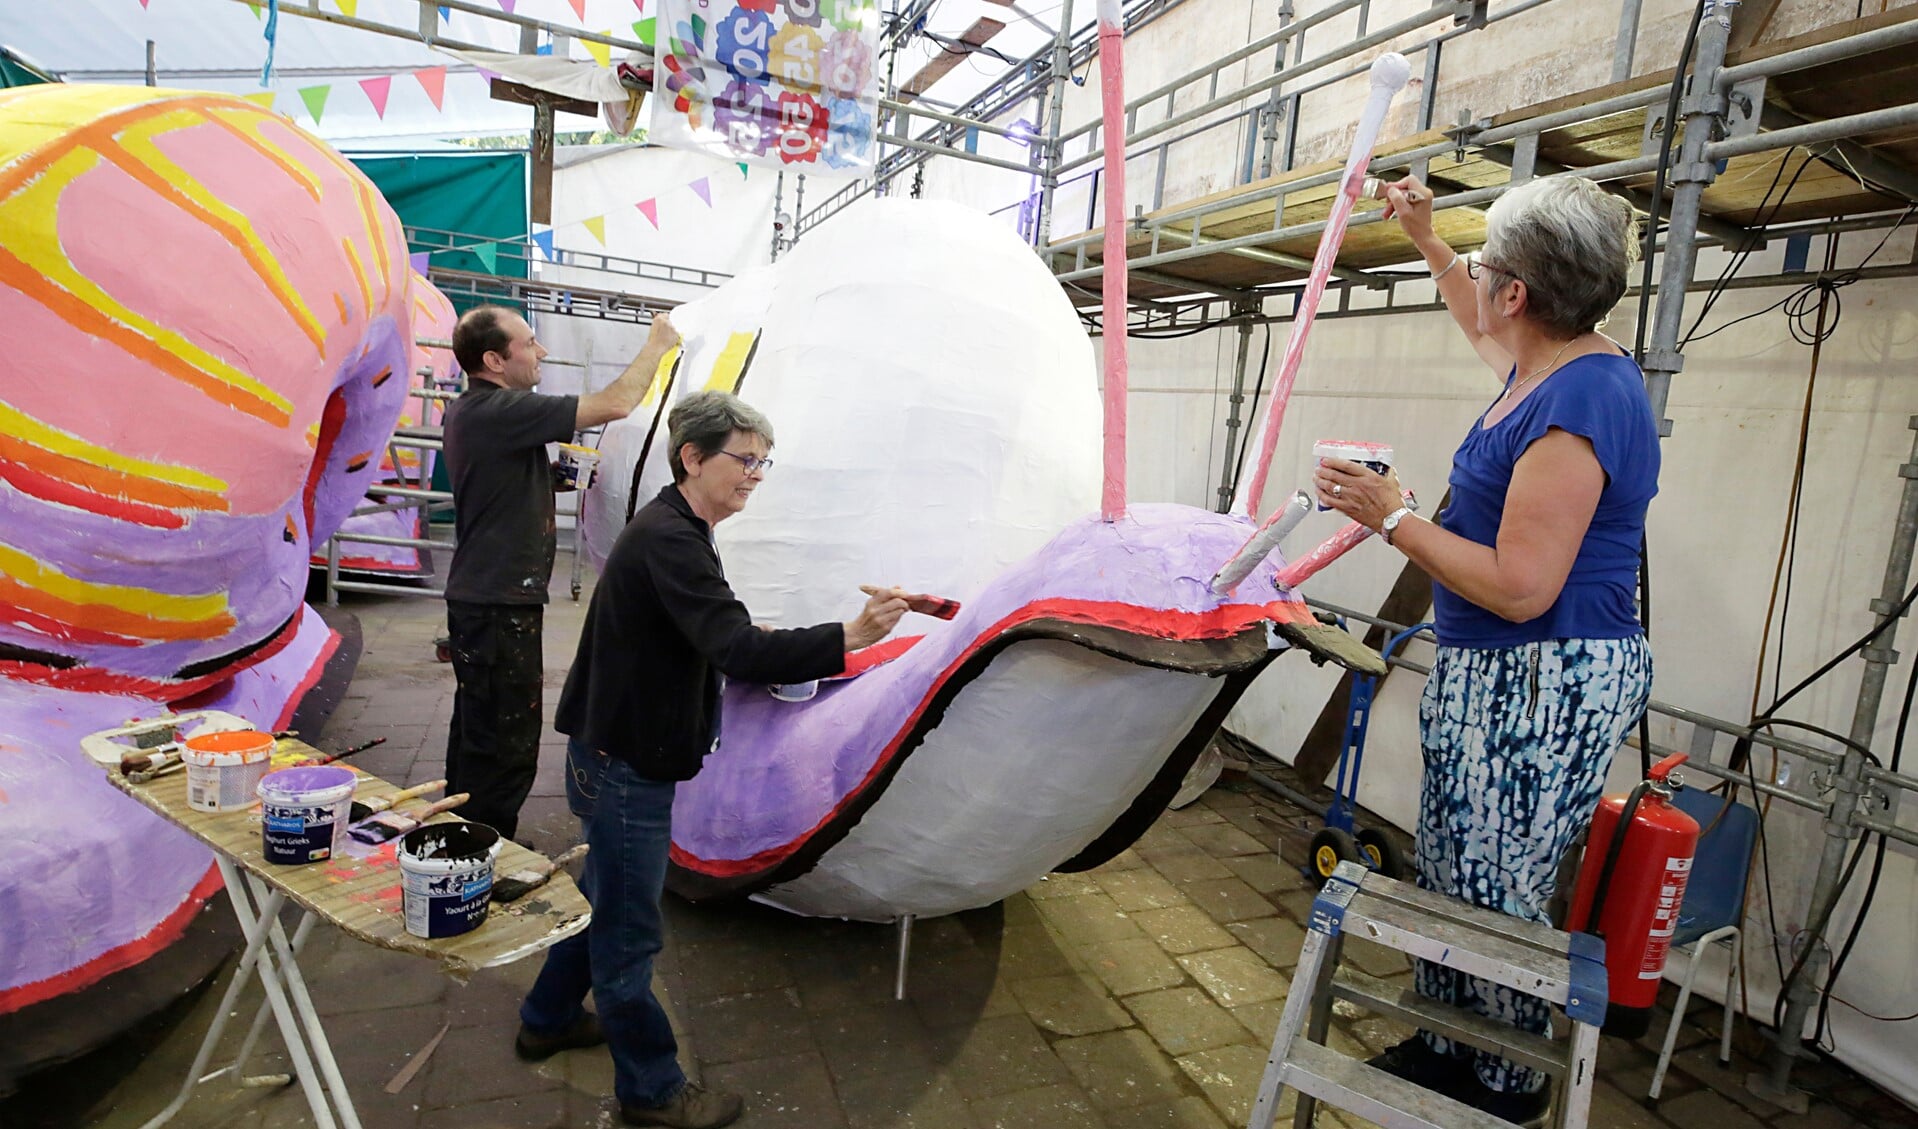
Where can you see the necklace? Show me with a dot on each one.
(1541, 370)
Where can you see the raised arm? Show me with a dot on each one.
(618, 399)
(1411, 201)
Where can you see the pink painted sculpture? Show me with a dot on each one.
(207, 320)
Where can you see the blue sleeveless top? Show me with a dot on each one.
(1598, 396)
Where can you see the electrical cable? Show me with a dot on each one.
(1252, 417)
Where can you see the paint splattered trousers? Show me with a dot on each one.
(1517, 742)
(492, 746)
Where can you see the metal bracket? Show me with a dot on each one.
(1586, 1002)
(1471, 14)
(1463, 133)
(1664, 360)
(1882, 606)
(1328, 909)
(1744, 103)
(1885, 655)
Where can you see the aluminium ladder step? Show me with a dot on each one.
(1403, 1003)
(1386, 1099)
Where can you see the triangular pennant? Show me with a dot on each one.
(433, 81)
(597, 226)
(507, 6)
(602, 53)
(703, 190)
(349, 8)
(643, 31)
(745, 170)
(257, 13)
(420, 260)
(489, 76)
(544, 240)
(376, 91)
(579, 8)
(641, 5)
(446, 13)
(315, 99)
(649, 209)
(488, 256)
(264, 99)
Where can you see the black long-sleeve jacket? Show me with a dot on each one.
(662, 625)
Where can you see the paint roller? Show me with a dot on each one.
(1260, 544)
(527, 879)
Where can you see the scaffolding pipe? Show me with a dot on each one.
(1838, 50)
(1232, 418)
(1849, 780)
(1627, 44)
(1050, 153)
(1383, 35)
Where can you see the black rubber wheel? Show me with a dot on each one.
(1330, 847)
(1382, 854)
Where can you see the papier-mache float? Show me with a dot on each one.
(207, 316)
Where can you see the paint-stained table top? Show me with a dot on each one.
(362, 896)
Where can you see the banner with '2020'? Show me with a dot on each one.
(789, 84)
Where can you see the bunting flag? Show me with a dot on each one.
(745, 170)
(507, 6)
(579, 8)
(433, 81)
(315, 99)
(349, 8)
(602, 53)
(643, 30)
(641, 5)
(376, 92)
(703, 190)
(263, 100)
(544, 240)
(446, 13)
(488, 256)
(597, 226)
(420, 260)
(649, 209)
(257, 13)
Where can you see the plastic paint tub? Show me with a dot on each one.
(446, 875)
(223, 770)
(303, 812)
(1374, 456)
(576, 465)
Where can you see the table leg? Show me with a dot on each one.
(315, 1032)
(248, 959)
(290, 1033)
(300, 935)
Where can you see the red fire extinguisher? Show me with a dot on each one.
(1637, 881)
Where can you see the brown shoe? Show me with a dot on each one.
(531, 1046)
(694, 1107)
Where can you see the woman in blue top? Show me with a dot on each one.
(1542, 664)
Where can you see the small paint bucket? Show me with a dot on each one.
(223, 770)
(446, 873)
(303, 812)
(1374, 456)
(795, 691)
(576, 465)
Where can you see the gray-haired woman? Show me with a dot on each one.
(642, 709)
(1542, 664)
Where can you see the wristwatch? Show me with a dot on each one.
(1391, 522)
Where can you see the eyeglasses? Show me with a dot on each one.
(1476, 266)
(753, 463)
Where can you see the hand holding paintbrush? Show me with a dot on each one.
(936, 606)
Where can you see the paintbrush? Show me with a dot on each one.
(379, 804)
(527, 879)
(936, 606)
(385, 826)
(149, 762)
(329, 758)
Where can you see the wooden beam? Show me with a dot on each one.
(539, 204)
(937, 67)
(1751, 21)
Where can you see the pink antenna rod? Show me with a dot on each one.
(1113, 278)
(1390, 72)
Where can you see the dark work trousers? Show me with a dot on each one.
(492, 751)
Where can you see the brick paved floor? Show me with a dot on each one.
(1140, 995)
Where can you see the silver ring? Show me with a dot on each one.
(1337, 489)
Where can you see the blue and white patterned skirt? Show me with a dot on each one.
(1517, 743)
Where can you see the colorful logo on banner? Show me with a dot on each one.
(782, 83)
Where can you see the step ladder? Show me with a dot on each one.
(1564, 969)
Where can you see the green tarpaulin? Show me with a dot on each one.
(480, 198)
(15, 72)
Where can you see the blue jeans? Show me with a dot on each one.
(629, 823)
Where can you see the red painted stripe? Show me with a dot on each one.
(45, 487)
(1221, 622)
(114, 960)
(94, 680)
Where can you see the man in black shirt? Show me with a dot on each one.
(642, 707)
(496, 436)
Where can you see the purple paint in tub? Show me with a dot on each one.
(1373, 456)
(303, 812)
